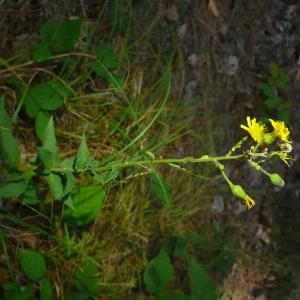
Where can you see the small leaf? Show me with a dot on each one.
(176, 245)
(45, 289)
(41, 123)
(158, 273)
(112, 175)
(70, 184)
(106, 60)
(82, 156)
(29, 198)
(267, 90)
(61, 37)
(33, 264)
(49, 137)
(12, 189)
(12, 291)
(40, 52)
(160, 189)
(48, 95)
(86, 278)
(174, 296)
(87, 204)
(69, 202)
(55, 185)
(202, 286)
(9, 148)
(48, 158)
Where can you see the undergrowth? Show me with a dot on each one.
(89, 129)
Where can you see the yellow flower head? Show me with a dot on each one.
(255, 129)
(249, 202)
(280, 130)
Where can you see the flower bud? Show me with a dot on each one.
(276, 180)
(238, 191)
(269, 138)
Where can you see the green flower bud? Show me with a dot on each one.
(238, 191)
(269, 138)
(276, 180)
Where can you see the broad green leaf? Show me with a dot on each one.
(82, 156)
(69, 202)
(13, 291)
(9, 149)
(160, 189)
(48, 95)
(87, 205)
(45, 289)
(40, 52)
(48, 158)
(41, 123)
(86, 278)
(174, 296)
(33, 264)
(55, 185)
(202, 286)
(12, 189)
(61, 37)
(29, 198)
(49, 136)
(158, 273)
(106, 60)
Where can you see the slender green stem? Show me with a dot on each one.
(125, 164)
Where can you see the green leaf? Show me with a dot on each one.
(174, 296)
(202, 286)
(45, 289)
(55, 185)
(31, 106)
(12, 189)
(70, 184)
(267, 90)
(272, 103)
(12, 291)
(176, 245)
(49, 137)
(40, 52)
(86, 278)
(41, 123)
(112, 175)
(29, 198)
(48, 95)
(87, 205)
(106, 60)
(158, 273)
(9, 148)
(72, 295)
(61, 37)
(48, 158)
(82, 156)
(160, 189)
(33, 264)
(68, 163)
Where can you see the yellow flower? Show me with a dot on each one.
(280, 130)
(249, 202)
(255, 129)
